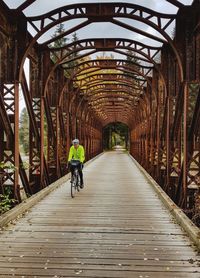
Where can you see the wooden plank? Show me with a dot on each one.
(115, 227)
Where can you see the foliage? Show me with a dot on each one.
(196, 212)
(58, 42)
(116, 134)
(24, 134)
(133, 62)
(74, 55)
(72, 58)
(24, 130)
(25, 165)
(105, 57)
(62, 41)
(81, 79)
(10, 167)
(6, 203)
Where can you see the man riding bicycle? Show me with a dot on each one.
(77, 152)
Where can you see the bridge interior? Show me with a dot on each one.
(148, 81)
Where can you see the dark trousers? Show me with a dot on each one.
(80, 167)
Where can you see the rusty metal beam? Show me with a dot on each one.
(152, 106)
(109, 11)
(136, 30)
(25, 5)
(176, 3)
(10, 137)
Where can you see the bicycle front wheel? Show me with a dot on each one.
(73, 187)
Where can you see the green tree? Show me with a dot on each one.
(59, 31)
(116, 134)
(24, 130)
(133, 63)
(58, 43)
(73, 57)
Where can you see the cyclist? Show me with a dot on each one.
(77, 152)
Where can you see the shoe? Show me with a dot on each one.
(82, 185)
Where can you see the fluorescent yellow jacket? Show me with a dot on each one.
(77, 154)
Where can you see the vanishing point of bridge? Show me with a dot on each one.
(138, 87)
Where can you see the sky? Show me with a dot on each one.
(101, 30)
(104, 29)
(42, 6)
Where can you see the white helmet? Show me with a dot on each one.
(75, 141)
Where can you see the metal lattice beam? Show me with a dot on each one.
(25, 5)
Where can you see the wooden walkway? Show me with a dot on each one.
(115, 227)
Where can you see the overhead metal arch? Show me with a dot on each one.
(176, 3)
(100, 83)
(124, 88)
(112, 77)
(107, 44)
(132, 45)
(102, 79)
(114, 105)
(125, 69)
(90, 91)
(121, 82)
(98, 12)
(98, 94)
(111, 100)
(94, 92)
(130, 114)
(108, 64)
(117, 87)
(149, 53)
(124, 94)
(113, 116)
(119, 42)
(27, 3)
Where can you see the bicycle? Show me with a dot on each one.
(75, 179)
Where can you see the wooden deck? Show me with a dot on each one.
(115, 227)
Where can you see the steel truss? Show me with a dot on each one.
(156, 93)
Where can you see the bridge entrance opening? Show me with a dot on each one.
(116, 135)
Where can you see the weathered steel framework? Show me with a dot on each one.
(156, 92)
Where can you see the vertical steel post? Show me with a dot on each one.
(58, 142)
(168, 143)
(42, 142)
(16, 141)
(185, 145)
